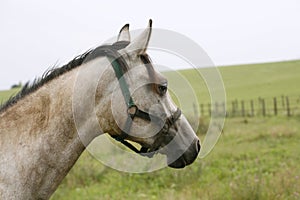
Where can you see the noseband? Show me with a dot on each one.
(119, 65)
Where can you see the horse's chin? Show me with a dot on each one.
(187, 158)
(179, 163)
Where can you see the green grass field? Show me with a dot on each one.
(255, 158)
(252, 81)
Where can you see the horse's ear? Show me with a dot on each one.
(124, 34)
(139, 45)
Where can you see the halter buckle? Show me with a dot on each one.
(132, 111)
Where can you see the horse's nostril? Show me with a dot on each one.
(198, 146)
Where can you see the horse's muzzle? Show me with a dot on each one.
(188, 157)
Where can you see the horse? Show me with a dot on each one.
(41, 138)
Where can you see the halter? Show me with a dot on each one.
(119, 65)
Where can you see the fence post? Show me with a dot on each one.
(233, 108)
(263, 104)
(288, 106)
(237, 107)
(252, 108)
(275, 105)
(243, 108)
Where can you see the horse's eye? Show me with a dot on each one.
(162, 88)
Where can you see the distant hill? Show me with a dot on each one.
(252, 81)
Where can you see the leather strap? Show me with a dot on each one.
(133, 111)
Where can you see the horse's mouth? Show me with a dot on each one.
(187, 158)
(179, 163)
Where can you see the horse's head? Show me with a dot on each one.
(142, 109)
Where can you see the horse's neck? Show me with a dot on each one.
(38, 140)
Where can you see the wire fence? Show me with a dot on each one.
(282, 105)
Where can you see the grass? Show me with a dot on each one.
(243, 82)
(252, 81)
(255, 158)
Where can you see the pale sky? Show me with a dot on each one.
(35, 34)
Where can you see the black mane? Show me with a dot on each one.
(51, 74)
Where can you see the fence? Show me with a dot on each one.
(283, 105)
